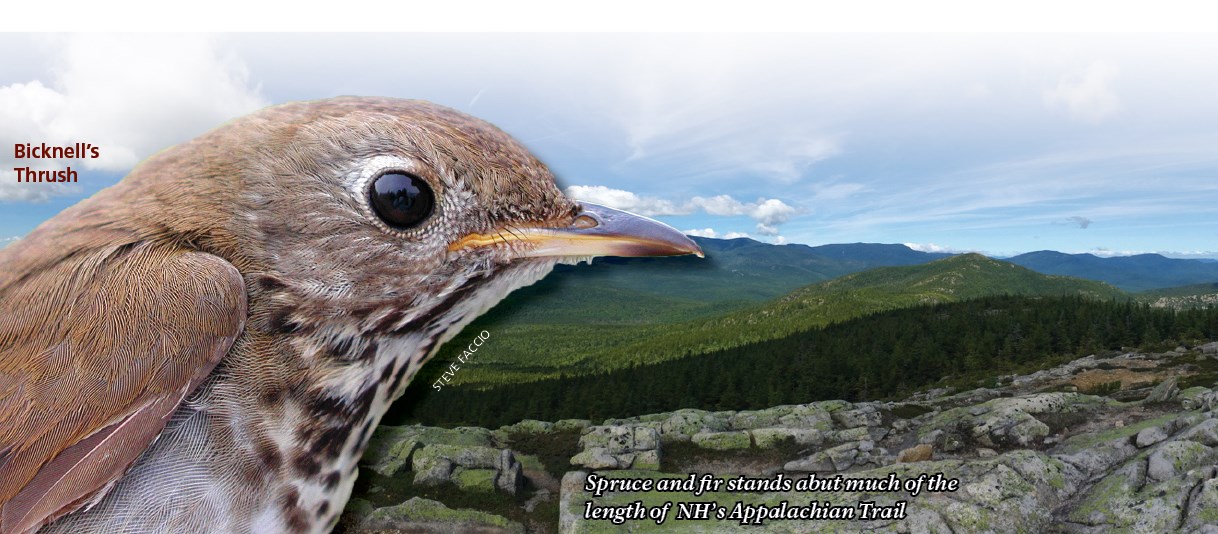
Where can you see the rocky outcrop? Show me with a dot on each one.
(424, 516)
(462, 456)
(469, 467)
(619, 447)
(1030, 453)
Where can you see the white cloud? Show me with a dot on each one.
(129, 95)
(768, 212)
(701, 232)
(1178, 254)
(717, 103)
(6, 241)
(1109, 253)
(772, 211)
(935, 248)
(784, 159)
(626, 200)
(767, 230)
(710, 232)
(723, 205)
(1089, 96)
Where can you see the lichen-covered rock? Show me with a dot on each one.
(619, 439)
(432, 471)
(859, 433)
(750, 419)
(509, 474)
(1203, 505)
(391, 447)
(649, 460)
(1002, 423)
(421, 515)
(596, 458)
(571, 424)
(479, 480)
(815, 416)
(723, 441)
(1130, 499)
(439, 464)
(619, 447)
(1150, 436)
(833, 459)
(570, 501)
(1165, 391)
(1009, 428)
(529, 426)
(1026, 462)
(1198, 398)
(1205, 433)
(1176, 457)
(768, 438)
(862, 416)
(683, 424)
(394, 457)
(470, 457)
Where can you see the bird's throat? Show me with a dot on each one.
(347, 377)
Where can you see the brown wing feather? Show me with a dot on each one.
(96, 352)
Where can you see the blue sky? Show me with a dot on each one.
(1003, 143)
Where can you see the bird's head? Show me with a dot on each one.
(387, 214)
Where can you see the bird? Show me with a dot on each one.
(208, 344)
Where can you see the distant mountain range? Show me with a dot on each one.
(627, 311)
(740, 272)
(734, 273)
(1130, 273)
(526, 346)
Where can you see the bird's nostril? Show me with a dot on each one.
(584, 222)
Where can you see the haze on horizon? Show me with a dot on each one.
(1003, 144)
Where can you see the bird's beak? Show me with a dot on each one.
(596, 231)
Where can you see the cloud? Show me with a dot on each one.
(1178, 254)
(701, 232)
(768, 212)
(726, 107)
(710, 232)
(130, 95)
(1089, 96)
(934, 248)
(626, 200)
(767, 230)
(6, 241)
(772, 211)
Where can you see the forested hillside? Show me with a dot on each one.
(884, 355)
(526, 351)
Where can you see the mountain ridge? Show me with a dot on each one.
(1139, 272)
(531, 351)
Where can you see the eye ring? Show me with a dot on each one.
(401, 200)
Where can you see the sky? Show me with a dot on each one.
(997, 143)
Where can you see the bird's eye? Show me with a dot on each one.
(402, 200)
